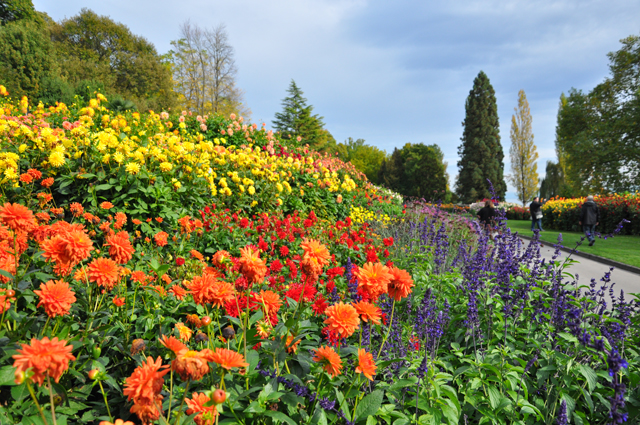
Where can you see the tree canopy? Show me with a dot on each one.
(597, 134)
(481, 155)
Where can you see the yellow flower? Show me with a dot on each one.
(22, 148)
(166, 166)
(56, 158)
(251, 190)
(133, 168)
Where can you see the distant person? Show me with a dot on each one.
(589, 219)
(536, 214)
(486, 215)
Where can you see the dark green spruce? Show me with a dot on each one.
(481, 155)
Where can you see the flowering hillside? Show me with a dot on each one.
(177, 269)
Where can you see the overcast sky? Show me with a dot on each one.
(398, 71)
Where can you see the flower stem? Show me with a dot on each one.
(105, 400)
(393, 306)
(53, 411)
(33, 396)
(182, 404)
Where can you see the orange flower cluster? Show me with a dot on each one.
(400, 284)
(120, 248)
(17, 217)
(219, 257)
(366, 365)
(270, 302)
(374, 278)
(315, 257)
(144, 386)
(368, 312)
(104, 272)
(68, 247)
(252, 267)
(343, 319)
(228, 359)
(192, 364)
(206, 414)
(207, 289)
(44, 358)
(172, 343)
(329, 359)
(56, 297)
(161, 239)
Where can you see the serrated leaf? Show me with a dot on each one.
(7, 376)
(494, 396)
(369, 405)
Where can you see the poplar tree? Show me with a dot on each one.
(523, 152)
(481, 155)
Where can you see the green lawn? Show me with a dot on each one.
(625, 249)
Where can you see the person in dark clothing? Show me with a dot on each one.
(486, 216)
(536, 214)
(589, 219)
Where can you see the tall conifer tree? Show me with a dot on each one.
(481, 155)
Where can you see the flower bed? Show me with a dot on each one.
(564, 214)
(211, 310)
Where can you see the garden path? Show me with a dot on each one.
(586, 269)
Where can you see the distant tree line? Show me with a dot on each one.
(53, 62)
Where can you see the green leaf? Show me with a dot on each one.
(7, 376)
(494, 396)
(568, 337)
(369, 405)
(6, 274)
(256, 316)
(590, 375)
(371, 420)
(280, 417)
(103, 187)
(19, 392)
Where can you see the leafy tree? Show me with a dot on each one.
(365, 158)
(298, 123)
(553, 182)
(481, 155)
(18, 10)
(93, 47)
(27, 56)
(204, 70)
(391, 171)
(597, 134)
(523, 152)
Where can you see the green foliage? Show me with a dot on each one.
(481, 155)
(597, 134)
(27, 56)
(54, 89)
(365, 158)
(552, 184)
(417, 170)
(297, 121)
(96, 48)
(18, 10)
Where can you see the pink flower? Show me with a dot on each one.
(232, 116)
(203, 127)
(181, 119)
(67, 125)
(164, 115)
(184, 113)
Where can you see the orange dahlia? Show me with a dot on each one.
(67, 248)
(117, 422)
(45, 358)
(120, 248)
(146, 382)
(148, 413)
(206, 414)
(270, 301)
(228, 359)
(252, 266)
(106, 205)
(374, 278)
(219, 257)
(191, 364)
(56, 297)
(184, 332)
(368, 312)
(366, 365)
(401, 283)
(17, 217)
(172, 343)
(329, 359)
(104, 272)
(161, 239)
(343, 319)
(316, 256)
